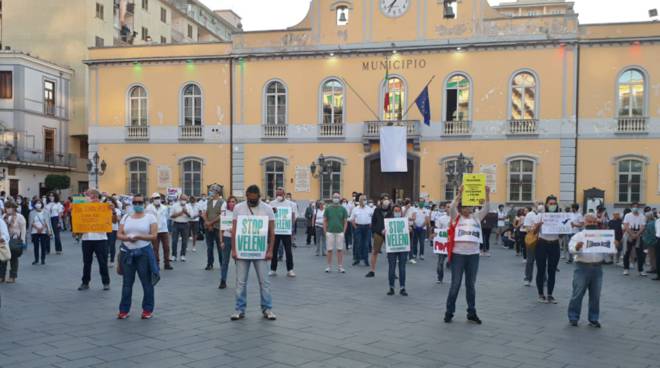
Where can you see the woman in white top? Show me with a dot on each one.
(137, 231)
(547, 254)
(16, 227)
(318, 227)
(40, 229)
(194, 222)
(464, 258)
(226, 219)
(55, 209)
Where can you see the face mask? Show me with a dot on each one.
(386, 203)
(313, 205)
(138, 208)
(552, 208)
(397, 214)
(211, 194)
(421, 204)
(184, 203)
(253, 202)
(51, 198)
(37, 206)
(344, 203)
(635, 211)
(279, 198)
(19, 201)
(335, 200)
(230, 206)
(157, 202)
(591, 227)
(540, 208)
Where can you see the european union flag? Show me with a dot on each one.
(424, 105)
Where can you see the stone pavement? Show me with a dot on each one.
(324, 320)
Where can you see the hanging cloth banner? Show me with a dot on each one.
(393, 149)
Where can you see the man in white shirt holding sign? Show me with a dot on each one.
(253, 238)
(633, 227)
(285, 215)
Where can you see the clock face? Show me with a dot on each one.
(394, 8)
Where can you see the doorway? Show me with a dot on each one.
(398, 185)
(13, 187)
(49, 145)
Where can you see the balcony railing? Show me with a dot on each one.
(523, 127)
(191, 132)
(331, 130)
(137, 132)
(372, 128)
(457, 128)
(274, 130)
(636, 124)
(29, 157)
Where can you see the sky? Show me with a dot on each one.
(279, 14)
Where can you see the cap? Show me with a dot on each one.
(155, 195)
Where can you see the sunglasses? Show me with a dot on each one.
(138, 202)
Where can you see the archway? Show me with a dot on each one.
(397, 185)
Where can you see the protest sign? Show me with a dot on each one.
(252, 237)
(283, 222)
(226, 220)
(440, 241)
(556, 223)
(599, 241)
(474, 189)
(173, 193)
(397, 237)
(79, 199)
(91, 218)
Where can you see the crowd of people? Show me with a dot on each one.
(155, 230)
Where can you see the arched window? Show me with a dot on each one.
(394, 92)
(192, 105)
(630, 176)
(523, 96)
(273, 176)
(138, 106)
(331, 179)
(275, 103)
(457, 98)
(137, 176)
(452, 181)
(191, 176)
(522, 174)
(631, 93)
(333, 102)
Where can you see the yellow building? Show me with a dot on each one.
(540, 103)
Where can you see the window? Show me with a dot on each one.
(532, 13)
(631, 93)
(83, 146)
(138, 106)
(342, 16)
(629, 177)
(331, 179)
(191, 170)
(137, 176)
(163, 39)
(99, 11)
(49, 97)
(275, 103)
(457, 98)
(145, 4)
(192, 105)
(6, 84)
(145, 34)
(521, 180)
(395, 98)
(163, 15)
(98, 41)
(333, 102)
(451, 182)
(523, 96)
(274, 176)
(190, 31)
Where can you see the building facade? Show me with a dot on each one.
(538, 102)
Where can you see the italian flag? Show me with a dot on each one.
(386, 103)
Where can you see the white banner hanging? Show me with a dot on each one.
(393, 149)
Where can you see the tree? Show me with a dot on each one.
(57, 182)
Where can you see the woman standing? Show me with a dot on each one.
(393, 258)
(112, 236)
(194, 222)
(318, 228)
(55, 210)
(40, 229)
(16, 227)
(226, 218)
(137, 231)
(547, 255)
(519, 234)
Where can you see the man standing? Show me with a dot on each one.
(309, 219)
(529, 224)
(501, 224)
(420, 222)
(361, 219)
(160, 212)
(285, 211)
(211, 217)
(180, 214)
(253, 207)
(95, 243)
(633, 226)
(378, 229)
(334, 225)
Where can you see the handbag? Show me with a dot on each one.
(5, 253)
(531, 239)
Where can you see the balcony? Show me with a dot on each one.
(632, 125)
(457, 128)
(371, 132)
(49, 108)
(34, 158)
(523, 127)
(191, 132)
(274, 130)
(331, 130)
(137, 133)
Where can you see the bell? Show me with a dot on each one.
(449, 11)
(342, 16)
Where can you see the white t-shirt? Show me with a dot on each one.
(362, 215)
(501, 218)
(115, 225)
(577, 218)
(161, 213)
(224, 212)
(530, 220)
(141, 226)
(183, 218)
(420, 217)
(55, 209)
(262, 209)
(468, 236)
(634, 222)
(285, 203)
(319, 217)
(194, 213)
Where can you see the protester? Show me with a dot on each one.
(547, 255)
(616, 224)
(487, 224)
(348, 234)
(161, 212)
(420, 222)
(112, 236)
(394, 257)
(335, 220)
(55, 210)
(321, 245)
(501, 224)
(648, 240)
(577, 223)
(193, 227)
(284, 240)
(519, 233)
(137, 232)
(211, 217)
(227, 215)
(532, 218)
(633, 227)
(94, 244)
(378, 228)
(14, 238)
(309, 219)
(361, 221)
(181, 212)
(253, 206)
(41, 231)
(442, 224)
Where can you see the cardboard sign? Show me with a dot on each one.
(468, 230)
(173, 193)
(91, 218)
(79, 199)
(557, 223)
(599, 241)
(440, 241)
(397, 237)
(226, 220)
(474, 189)
(283, 222)
(252, 237)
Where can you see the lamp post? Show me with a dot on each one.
(455, 170)
(95, 168)
(323, 166)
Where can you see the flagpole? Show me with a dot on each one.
(361, 99)
(414, 101)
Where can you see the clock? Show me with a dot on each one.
(394, 8)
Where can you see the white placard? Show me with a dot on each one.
(397, 237)
(599, 241)
(440, 241)
(252, 237)
(490, 171)
(164, 175)
(393, 149)
(283, 221)
(226, 220)
(557, 223)
(303, 179)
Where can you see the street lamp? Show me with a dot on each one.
(96, 169)
(455, 170)
(322, 164)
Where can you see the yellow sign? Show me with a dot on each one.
(91, 218)
(474, 189)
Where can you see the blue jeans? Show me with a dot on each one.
(361, 242)
(348, 237)
(55, 222)
(418, 238)
(180, 229)
(392, 258)
(142, 265)
(586, 277)
(440, 268)
(225, 255)
(242, 270)
(112, 249)
(40, 242)
(468, 265)
(212, 243)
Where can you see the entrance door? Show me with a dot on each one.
(13, 187)
(49, 145)
(397, 185)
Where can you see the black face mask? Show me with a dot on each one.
(591, 227)
(253, 202)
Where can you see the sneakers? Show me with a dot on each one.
(438, 282)
(370, 274)
(403, 292)
(147, 315)
(269, 315)
(208, 268)
(194, 249)
(391, 292)
(625, 273)
(183, 258)
(122, 315)
(106, 287)
(643, 274)
(291, 274)
(448, 317)
(83, 287)
(272, 273)
(237, 316)
(168, 267)
(223, 285)
(474, 319)
(573, 323)
(341, 269)
(551, 299)
(594, 324)
(328, 270)
(412, 261)
(421, 257)
(173, 259)
(542, 299)
(11, 280)
(487, 254)
(527, 283)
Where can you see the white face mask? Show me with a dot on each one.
(279, 198)
(335, 200)
(37, 206)
(157, 202)
(184, 202)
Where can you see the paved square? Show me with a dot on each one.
(324, 320)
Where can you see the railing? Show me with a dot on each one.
(36, 157)
(523, 126)
(331, 130)
(191, 132)
(274, 130)
(457, 128)
(372, 128)
(632, 124)
(137, 132)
